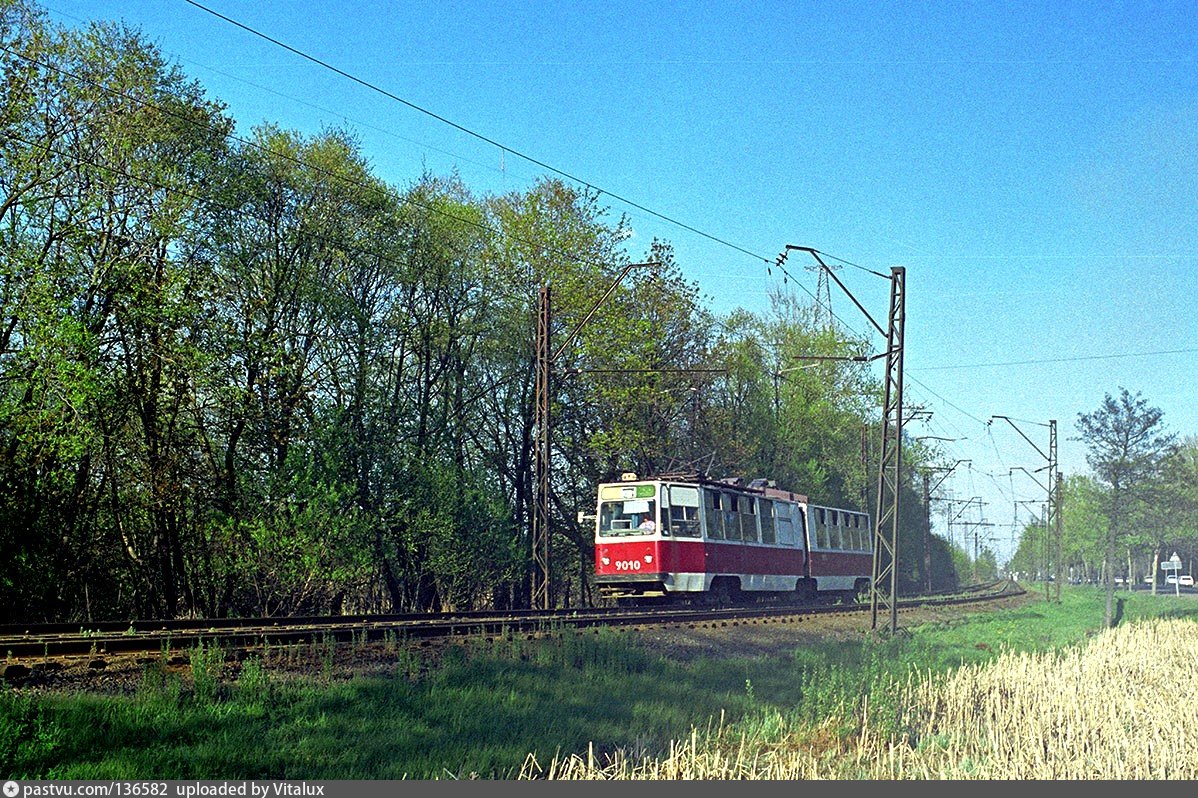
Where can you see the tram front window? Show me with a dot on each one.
(627, 517)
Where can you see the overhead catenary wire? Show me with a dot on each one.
(144, 103)
(299, 162)
(344, 179)
(189, 193)
(488, 140)
(481, 137)
(780, 264)
(1078, 358)
(475, 134)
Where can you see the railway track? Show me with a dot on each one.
(64, 641)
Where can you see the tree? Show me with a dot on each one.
(247, 376)
(101, 291)
(1127, 449)
(823, 401)
(1084, 525)
(1178, 500)
(558, 236)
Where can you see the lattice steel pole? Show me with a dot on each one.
(540, 588)
(1054, 507)
(890, 462)
(864, 466)
(540, 578)
(927, 532)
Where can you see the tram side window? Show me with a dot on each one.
(683, 517)
(715, 515)
(731, 516)
(767, 521)
(784, 524)
(748, 518)
(821, 528)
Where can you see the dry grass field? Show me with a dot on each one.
(1120, 707)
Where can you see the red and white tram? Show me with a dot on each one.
(719, 541)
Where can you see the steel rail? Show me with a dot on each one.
(58, 640)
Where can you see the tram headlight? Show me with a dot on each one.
(648, 558)
(605, 560)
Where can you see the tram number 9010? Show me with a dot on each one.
(628, 565)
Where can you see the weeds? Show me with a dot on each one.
(206, 663)
(27, 734)
(253, 684)
(328, 653)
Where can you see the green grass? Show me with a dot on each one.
(485, 709)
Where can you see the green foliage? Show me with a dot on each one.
(1084, 525)
(1129, 451)
(28, 735)
(246, 375)
(254, 685)
(206, 663)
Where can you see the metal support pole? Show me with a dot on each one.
(928, 488)
(884, 584)
(1054, 509)
(1058, 500)
(540, 592)
(865, 465)
(540, 579)
(1047, 547)
(975, 554)
(927, 532)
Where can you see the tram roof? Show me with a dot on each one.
(761, 487)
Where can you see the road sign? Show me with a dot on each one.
(1172, 564)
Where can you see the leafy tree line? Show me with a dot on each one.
(243, 375)
(240, 374)
(1137, 507)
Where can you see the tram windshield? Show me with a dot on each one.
(627, 517)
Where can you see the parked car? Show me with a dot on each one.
(1186, 580)
(1171, 579)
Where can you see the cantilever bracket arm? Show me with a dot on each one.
(846, 358)
(1025, 437)
(1030, 474)
(595, 307)
(815, 254)
(947, 471)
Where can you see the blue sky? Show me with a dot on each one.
(1032, 166)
